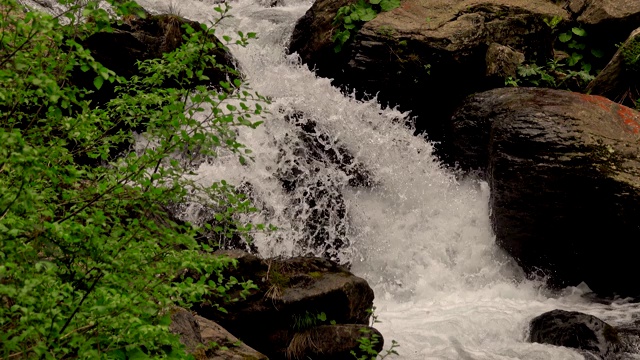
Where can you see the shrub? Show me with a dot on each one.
(90, 263)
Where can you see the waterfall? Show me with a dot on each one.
(416, 232)
(349, 172)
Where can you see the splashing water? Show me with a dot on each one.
(419, 236)
(348, 172)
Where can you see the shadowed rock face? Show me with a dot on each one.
(564, 172)
(197, 334)
(137, 39)
(427, 55)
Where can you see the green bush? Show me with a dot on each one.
(571, 72)
(90, 263)
(350, 18)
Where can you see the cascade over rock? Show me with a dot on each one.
(564, 173)
(292, 293)
(426, 55)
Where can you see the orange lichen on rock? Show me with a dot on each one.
(630, 117)
(602, 102)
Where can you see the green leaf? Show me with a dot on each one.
(388, 5)
(98, 81)
(322, 316)
(564, 37)
(597, 53)
(574, 58)
(579, 31)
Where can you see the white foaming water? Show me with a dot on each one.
(419, 236)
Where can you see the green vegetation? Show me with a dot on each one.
(91, 262)
(307, 320)
(350, 18)
(631, 54)
(368, 341)
(570, 70)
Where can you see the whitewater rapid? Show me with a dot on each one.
(420, 236)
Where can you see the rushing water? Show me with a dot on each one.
(420, 236)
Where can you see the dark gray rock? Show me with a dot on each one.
(564, 172)
(332, 342)
(595, 338)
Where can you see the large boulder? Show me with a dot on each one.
(426, 55)
(595, 338)
(136, 39)
(207, 340)
(564, 172)
(295, 296)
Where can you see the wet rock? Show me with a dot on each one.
(199, 335)
(294, 296)
(332, 342)
(564, 173)
(322, 148)
(502, 62)
(427, 55)
(618, 80)
(595, 338)
(317, 204)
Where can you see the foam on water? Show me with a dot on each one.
(420, 237)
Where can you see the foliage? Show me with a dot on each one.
(90, 261)
(368, 341)
(573, 71)
(350, 18)
(307, 320)
(630, 52)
